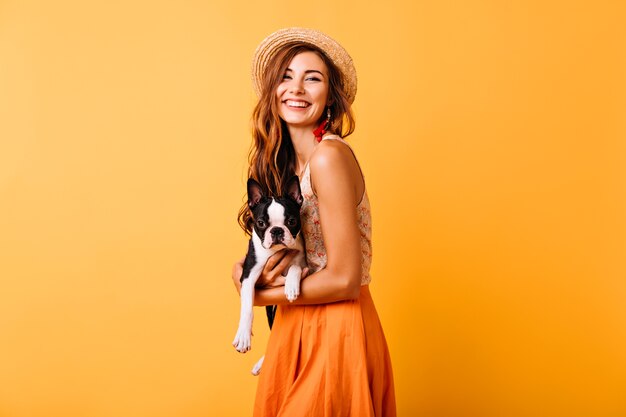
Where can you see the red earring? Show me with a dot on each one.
(321, 129)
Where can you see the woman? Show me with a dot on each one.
(327, 354)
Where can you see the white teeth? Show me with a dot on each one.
(292, 103)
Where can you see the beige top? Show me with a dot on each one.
(312, 230)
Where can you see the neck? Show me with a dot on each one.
(304, 142)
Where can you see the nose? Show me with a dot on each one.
(295, 86)
(277, 233)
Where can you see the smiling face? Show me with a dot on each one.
(303, 92)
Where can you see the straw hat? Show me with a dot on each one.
(270, 45)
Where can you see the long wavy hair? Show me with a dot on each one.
(272, 158)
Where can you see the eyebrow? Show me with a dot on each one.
(308, 71)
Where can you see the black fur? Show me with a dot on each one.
(249, 262)
(271, 312)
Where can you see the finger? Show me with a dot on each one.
(238, 268)
(274, 260)
(276, 281)
(237, 271)
(305, 272)
(286, 260)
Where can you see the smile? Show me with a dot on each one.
(299, 104)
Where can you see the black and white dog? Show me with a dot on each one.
(276, 226)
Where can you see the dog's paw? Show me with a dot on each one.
(243, 340)
(257, 368)
(292, 290)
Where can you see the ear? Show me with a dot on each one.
(292, 190)
(255, 193)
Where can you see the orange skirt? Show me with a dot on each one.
(327, 360)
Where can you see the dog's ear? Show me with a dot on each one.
(255, 193)
(292, 190)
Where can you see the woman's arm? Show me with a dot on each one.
(338, 184)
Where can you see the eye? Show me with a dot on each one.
(286, 76)
(291, 222)
(313, 79)
(260, 223)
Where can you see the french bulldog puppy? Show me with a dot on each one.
(276, 226)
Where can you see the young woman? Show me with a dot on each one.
(327, 354)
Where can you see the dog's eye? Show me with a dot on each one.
(291, 222)
(260, 223)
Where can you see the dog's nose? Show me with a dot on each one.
(277, 232)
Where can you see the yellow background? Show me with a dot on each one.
(493, 138)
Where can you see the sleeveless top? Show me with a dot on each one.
(312, 231)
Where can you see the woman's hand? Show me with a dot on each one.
(237, 271)
(275, 267)
(272, 274)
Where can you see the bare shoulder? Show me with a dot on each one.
(332, 155)
(334, 165)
